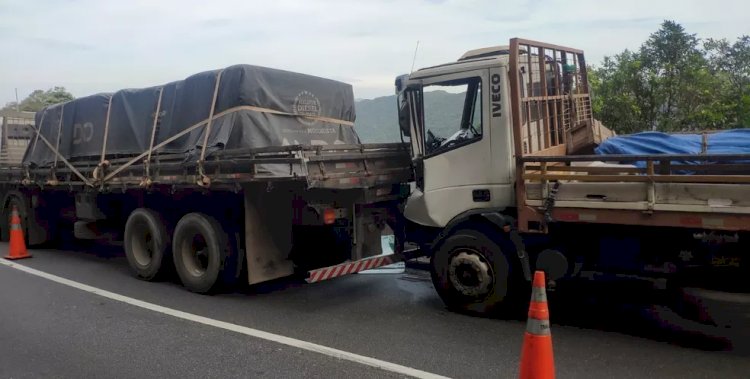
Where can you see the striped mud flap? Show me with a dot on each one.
(346, 268)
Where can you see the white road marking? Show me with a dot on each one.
(293, 342)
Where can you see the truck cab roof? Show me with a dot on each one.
(485, 57)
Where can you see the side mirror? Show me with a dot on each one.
(403, 115)
(402, 105)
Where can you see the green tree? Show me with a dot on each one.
(731, 63)
(672, 62)
(619, 94)
(40, 99)
(672, 84)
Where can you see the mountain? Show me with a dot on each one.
(377, 119)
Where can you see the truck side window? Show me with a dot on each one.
(452, 114)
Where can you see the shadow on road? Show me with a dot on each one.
(635, 312)
(620, 309)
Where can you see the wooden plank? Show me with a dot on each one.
(727, 179)
(9, 113)
(543, 82)
(530, 92)
(587, 169)
(575, 78)
(587, 178)
(556, 123)
(553, 151)
(710, 167)
(555, 97)
(728, 222)
(548, 45)
(642, 157)
(584, 73)
(539, 125)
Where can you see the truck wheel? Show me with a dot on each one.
(470, 272)
(199, 247)
(145, 241)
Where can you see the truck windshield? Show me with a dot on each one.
(452, 114)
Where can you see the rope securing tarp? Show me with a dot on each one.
(240, 106)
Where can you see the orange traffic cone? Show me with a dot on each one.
(536, 355)
(17, 248)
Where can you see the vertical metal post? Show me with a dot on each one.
(558, 91)
(530, 93)
(651, 184)
(5, 134)
(515, 106)
(543, 86)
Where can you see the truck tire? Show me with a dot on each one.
(199, 248)
(471, 273)
(146, 241)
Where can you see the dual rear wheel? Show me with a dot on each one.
(199, 248)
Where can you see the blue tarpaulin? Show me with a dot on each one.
(735, 141)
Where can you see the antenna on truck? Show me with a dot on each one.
(415, 57)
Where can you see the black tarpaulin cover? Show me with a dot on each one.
(255, 107)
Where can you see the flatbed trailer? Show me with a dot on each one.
(217, 215)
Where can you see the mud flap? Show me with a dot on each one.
(268, 235)
(368, 234)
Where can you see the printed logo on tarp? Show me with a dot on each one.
(83, 133)
(308, 105)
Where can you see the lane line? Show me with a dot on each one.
(293, 342)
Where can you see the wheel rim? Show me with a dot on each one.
(195, 254)
(470, 273)
(144, 244)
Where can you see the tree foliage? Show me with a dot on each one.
(40, 99)
(675, 82)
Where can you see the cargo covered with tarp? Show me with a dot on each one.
(240, 106)
(724, 142)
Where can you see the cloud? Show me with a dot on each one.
(94, 46)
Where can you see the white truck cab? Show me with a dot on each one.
(460, 136)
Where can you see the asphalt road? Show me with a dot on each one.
(51, 330)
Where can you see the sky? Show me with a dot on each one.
(91, 46)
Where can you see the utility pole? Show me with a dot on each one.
(17, 100)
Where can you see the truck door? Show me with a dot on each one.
(455, 148)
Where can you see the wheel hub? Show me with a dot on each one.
(470, 274)
(195, 255)
(143, 245)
